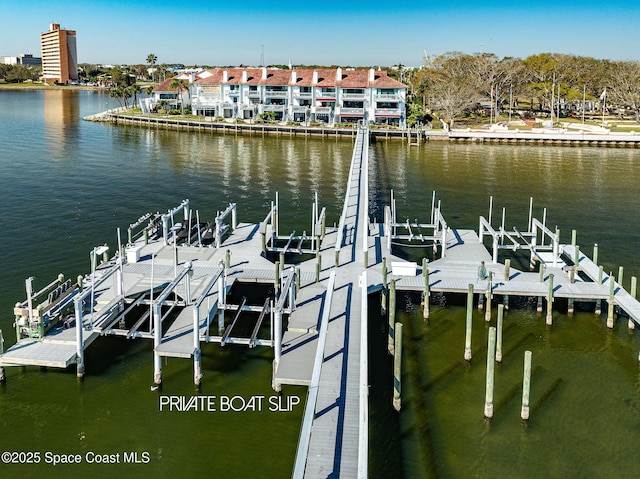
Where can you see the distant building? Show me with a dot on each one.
(59, 55)
(301, 95)
(23, 59)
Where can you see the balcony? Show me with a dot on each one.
(234, 93)
(388, 96)
(300, 109)
(352, 96)
(253, 94)
(323, 110)
(275, 94)
(274, 107)
(388, 112)
(303, 94)
(351, 111)
(205, 101)
(325, 95)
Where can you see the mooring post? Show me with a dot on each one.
(620, 274)
(570, 306)
(79, 339)
(397, 367)
(392, 316)
(489, 293)
(507, 268)
(157, 339)
(383, 294)
(612, 286)
(426, 293)
(573, 237)
(2, 374)
(282, 264)
(595, 253)
(499, 333)
(550, 301)
(632, 292)
(576, 257)
(491, 352)
(469, 324)
(542, 271)
(600, 274)
(79, 281)
(526, 386)
(197, 356)
(276, 280)
(222, 290)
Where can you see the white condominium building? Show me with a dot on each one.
(328, 95)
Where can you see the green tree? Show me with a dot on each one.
(180, 87)
(151, 61)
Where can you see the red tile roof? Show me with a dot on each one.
(326, 77)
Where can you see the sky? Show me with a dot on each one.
(348, 33)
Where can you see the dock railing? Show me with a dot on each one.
(312, 394)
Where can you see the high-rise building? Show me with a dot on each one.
(59, 56)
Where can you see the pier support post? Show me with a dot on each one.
(526, 386)
(612, 286)
(222, 292)
(263, 242)
(574, 237)
(197, 355)
(392, 316)
(469, 324)
(480, 301)
(570, 306)
(507, 268)
(282, 263)
(318, 267)
(227, 259)
(397, 367)
(426, 292)
(576, 257)
(145, 235)
(505, 302)
(499, 333)
(3, 376)
(598, 310)
(550, 301)
(383, 294)
(79, 339)
(595, 253)
(632, 292)
(297, 280)
(157, 339)
(491, 352)
(620, 274)
(276, 280)
(489, 293)
(600, 274)
(539, 305)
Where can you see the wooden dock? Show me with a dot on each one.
(317, 312)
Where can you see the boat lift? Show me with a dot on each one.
(269, 232)
(434, 232)
(536, 230)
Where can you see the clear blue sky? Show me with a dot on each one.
(354, 33)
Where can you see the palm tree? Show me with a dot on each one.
(180, 86)
(135, 89)
(151, 61)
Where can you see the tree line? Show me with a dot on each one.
(455, 85)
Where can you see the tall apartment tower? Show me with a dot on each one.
(59, 56)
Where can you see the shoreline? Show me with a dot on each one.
(540, 136)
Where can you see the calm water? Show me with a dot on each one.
(66, 185)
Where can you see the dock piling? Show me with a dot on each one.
(491, 351)
(383, 294)
(595, 253)
(499, 333)
(489, 293)
(632, 292)
(392, 316)
(79, 339)
(610, 309)
(526, 386)
(425, 293)
(397, 367)
(507, 268)
(620, 274)
(469, 324)
(550, 301)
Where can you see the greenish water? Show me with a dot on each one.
(66, 185)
